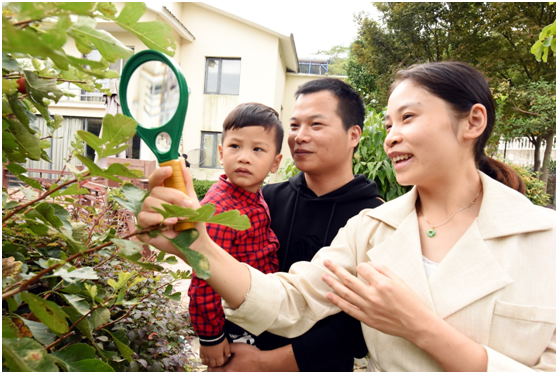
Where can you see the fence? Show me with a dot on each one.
(521, 151)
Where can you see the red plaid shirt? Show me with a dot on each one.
(256, 246)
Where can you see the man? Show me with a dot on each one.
(307, 211)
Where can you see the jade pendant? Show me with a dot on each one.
(431, 233)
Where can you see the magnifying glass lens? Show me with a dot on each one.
(153, 95)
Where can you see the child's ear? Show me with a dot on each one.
(276, 162)
(220, 148)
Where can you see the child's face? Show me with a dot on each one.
(248, 154)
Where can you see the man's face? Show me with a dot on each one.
(318, 140)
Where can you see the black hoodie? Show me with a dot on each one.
(304, 223)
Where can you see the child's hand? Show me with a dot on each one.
(215, 355)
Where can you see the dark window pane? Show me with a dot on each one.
(212, 79)
(207, 158)
(93, 125)
(230, 77)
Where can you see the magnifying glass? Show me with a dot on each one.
(153, 92)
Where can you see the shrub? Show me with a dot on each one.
(535, 188)
(202, 186)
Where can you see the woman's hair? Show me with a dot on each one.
(461, 86)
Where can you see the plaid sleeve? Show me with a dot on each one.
(206, 311)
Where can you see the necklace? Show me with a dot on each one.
(431, 233)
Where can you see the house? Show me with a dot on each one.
(226, 60)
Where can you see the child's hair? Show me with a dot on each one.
(462, 86)
(255, 114)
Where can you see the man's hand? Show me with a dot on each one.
(245, 357)
(215, 355)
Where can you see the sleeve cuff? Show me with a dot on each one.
(497, 362)
(211, 340)
(261, 304)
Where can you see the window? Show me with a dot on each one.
(209, 155)
(222, 76)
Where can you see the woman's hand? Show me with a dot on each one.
(386, 303)
(160, 194)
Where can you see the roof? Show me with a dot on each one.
(287, 42)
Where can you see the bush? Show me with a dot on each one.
(535, 188)
(372, 161)
(202, 186)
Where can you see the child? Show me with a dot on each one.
(251, 146)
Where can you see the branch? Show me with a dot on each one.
(75, 324)
(42, 197)
(25, 285)
(526, 112)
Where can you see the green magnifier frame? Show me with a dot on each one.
(173, 127)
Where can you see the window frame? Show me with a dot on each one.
(217, 164)
(219, 75)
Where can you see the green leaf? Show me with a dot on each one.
(84, 326)
(47, 312)
(78, 303)
(73, 189)
(40, 331)
(9, 329)
(110, 48)
(175, 296)
(131, 251)
(123, 348)
(99, 317)
(123, 278)
(26, 354)
(117, 130)
(9, 63)
(134, 198)
(84, 8)
(56, 37)
(39, 89)
(123, 171)
(22, 113)
(131, 13)
(16, 169)
(170, 210)
(28, 144)
(95, 170)
(107, 9)
(9, 86)
(196, 260)
(232, 219)
(90, 365)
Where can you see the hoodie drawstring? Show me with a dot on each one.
(329, 224)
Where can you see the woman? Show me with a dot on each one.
(457, 275)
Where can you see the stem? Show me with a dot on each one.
(75, 324)
(108, 259)
(42, 197)
(25, 285)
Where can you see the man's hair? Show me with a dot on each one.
(255, 114)
(350, 107)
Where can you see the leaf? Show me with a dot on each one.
(131, 13)
(99, 317)
(83, 8)
(117, 130)
(200, 215)
(9, 329)
(196, 260)
(28, 144)
(10, 267)
(40, 331)
(9, 86)
(78, 303)
(123, 171)
(130, 250)
(232, 219)
(39, 89)
(123, 278)
(123, 348)
(135, 196)
(110, 48)
(9, 63)
(73, 189)
(84, 326)
(175, 296)
(22, 113)
(47, 312)
(86, 272)
(90, 365)
(26, 354)
(95, 170)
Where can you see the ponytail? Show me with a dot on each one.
(501, 172)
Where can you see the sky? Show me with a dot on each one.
(316, 25)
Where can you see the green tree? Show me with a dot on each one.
(338, 59)
(495, 37)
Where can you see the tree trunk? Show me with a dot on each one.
(549, 137)
(537, 144)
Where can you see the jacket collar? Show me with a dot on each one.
(503, 211)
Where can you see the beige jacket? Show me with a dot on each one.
(497, 285)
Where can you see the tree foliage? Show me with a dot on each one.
(338, 59)
(495, 37)
(77, 290)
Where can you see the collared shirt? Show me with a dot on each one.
(256, 246)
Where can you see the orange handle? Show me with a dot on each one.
(176, 180)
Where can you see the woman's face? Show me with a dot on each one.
(422, 136)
